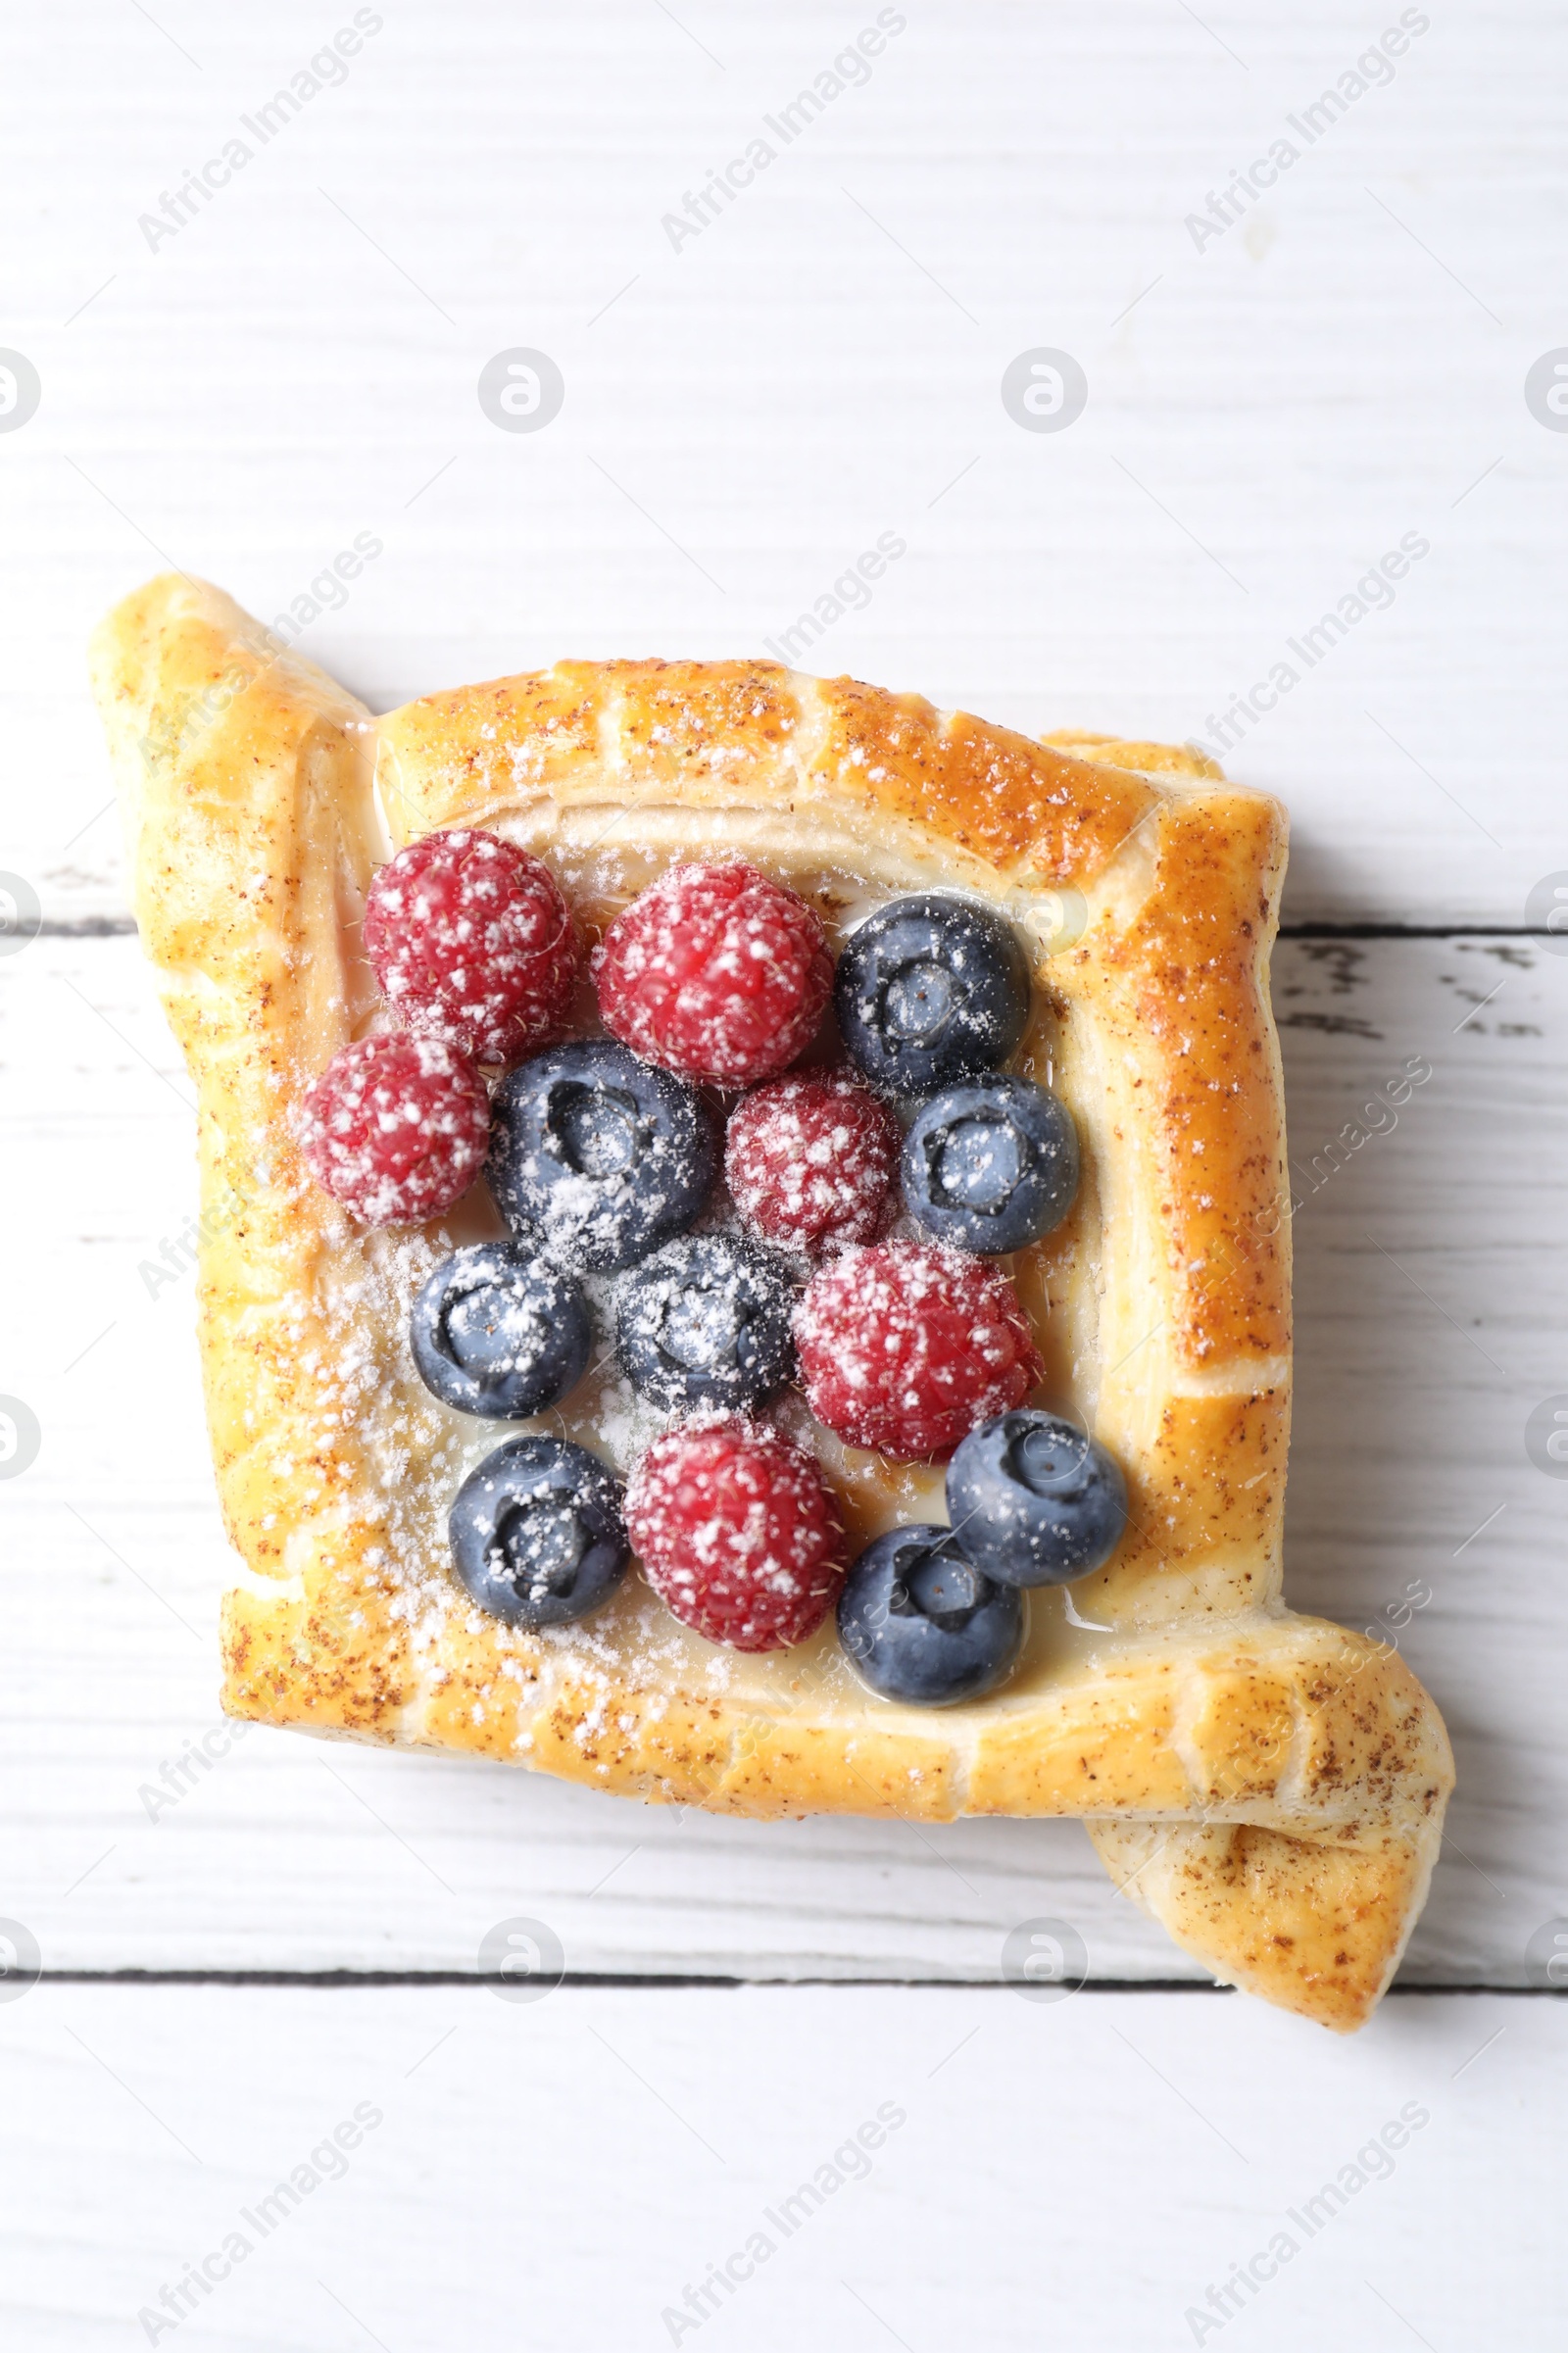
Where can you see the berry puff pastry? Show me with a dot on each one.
(763, 1273)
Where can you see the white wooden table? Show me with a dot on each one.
(249, 1942)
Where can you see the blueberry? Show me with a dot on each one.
(706, 1322)
(931, 991)
(990, 1168)
(537, 1534)
(496, 1332)
(921, 1622)
(598, 1157)
(1037, 1500)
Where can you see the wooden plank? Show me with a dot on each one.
(1433, 1285)
(567, 2172)
(1270, 410)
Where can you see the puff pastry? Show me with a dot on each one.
(1268, 1786)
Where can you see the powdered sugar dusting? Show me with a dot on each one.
(811, 1158)
(472, 942)
(907, 1348)
(397, 1128)
(738, 1532)
(597, 1156)
(716, 972)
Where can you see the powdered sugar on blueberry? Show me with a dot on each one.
(597, 1156)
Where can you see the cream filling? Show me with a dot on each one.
(420, 1452)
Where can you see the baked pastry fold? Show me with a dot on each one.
(1268, 1786)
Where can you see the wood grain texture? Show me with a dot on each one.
(1432, 1287)
(560, 2173)
(1270, 410)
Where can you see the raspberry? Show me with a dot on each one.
(472, 942)
(737, 1532)
(715, 972)
(907, 1348)
(809, 1161)
(397, 1128)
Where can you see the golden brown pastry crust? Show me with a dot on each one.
(1270, 1787)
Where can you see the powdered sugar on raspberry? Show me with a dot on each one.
(737, 1533)
(905, 1347)
(472, 941)
(809, 1161)
(396, 1127)
(715, 972)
